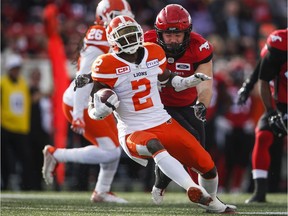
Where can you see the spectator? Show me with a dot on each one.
(39, 133)
(15, 125)
(237, 125)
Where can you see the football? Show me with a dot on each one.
(104, 94)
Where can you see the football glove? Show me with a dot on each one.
(78, 126)
(98, 110)
(182, 83)
(81, 80)
(244, 92)
(200, 111)
(276, 123)
(243, 95)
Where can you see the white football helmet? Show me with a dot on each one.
(124, 34)
(106, 10)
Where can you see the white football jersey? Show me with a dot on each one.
(94, 44)
(136, 86)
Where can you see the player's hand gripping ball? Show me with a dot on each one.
(105, 102)
(104, 94)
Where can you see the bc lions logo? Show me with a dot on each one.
(204, 46)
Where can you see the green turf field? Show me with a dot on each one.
(78, 203)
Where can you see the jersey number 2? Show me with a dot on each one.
(138, 101)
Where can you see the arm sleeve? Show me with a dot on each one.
(81, 95)
(250, 82)
(87, 58)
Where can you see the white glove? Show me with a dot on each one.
(182, 83)
(99, 110)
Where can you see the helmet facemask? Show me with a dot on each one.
(174, 49)
(126, 38)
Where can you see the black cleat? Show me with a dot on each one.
(255, 198)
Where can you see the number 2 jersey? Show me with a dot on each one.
(136, 86)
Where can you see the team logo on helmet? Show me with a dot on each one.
(108, 9)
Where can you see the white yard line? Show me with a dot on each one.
(262, 213)
(37, 196)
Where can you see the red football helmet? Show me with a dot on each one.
(124, 34)
(106, 10)
(172, 19)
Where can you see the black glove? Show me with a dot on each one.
(243, 94)
(82, 80)
(200, 111)
(276, 123)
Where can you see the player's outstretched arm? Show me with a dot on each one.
(181, 83)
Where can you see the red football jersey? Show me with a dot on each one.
(199, 51)
(238, 115)
(278, 40)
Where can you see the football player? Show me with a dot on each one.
(272, 125)
(187, 53)
(145, 129)
(105, 150)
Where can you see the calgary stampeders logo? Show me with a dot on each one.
(275, 38)
(204, 46)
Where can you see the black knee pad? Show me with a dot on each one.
(210, 174)
(154, 145)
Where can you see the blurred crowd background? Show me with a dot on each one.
(237, 30)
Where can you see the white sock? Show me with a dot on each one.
(258, 173)
(210, 185)
(87, 155)
(174, 170)
(106, 176)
